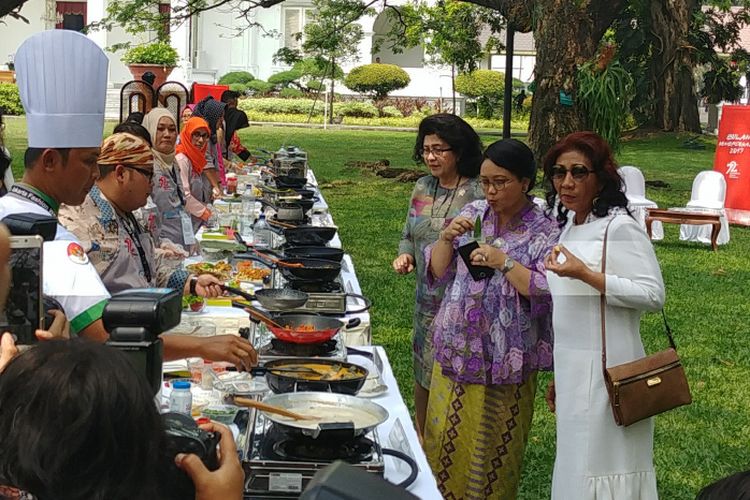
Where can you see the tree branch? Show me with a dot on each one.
(12, 8)
(516, 12)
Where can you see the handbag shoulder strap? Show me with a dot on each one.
(602, 299)
(602, 307)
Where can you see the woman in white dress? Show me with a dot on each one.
(596, 459)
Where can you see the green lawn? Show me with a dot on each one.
(707, 297)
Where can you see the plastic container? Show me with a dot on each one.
(262, 235)
(231, 183)
(181, 399)
(247, 217)
(224, 414)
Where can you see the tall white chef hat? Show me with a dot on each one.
(62, 79)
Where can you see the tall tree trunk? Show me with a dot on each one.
(672, 66)
(559, 52)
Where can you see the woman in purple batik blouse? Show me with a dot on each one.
(490, 336)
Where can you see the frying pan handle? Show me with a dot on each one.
(353, 323)
(366, 307)
(237, 291)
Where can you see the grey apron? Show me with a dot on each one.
(172, 221)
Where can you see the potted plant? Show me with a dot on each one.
(158, 57)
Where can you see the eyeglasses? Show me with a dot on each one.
(578, 172)
(148, 173)
(438, 152)
(202, 135)
(499, 185)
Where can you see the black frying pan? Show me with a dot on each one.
(309, 235)
(287, 380)
(286, 182)
(273, 298)
(315, 252)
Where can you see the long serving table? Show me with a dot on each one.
(397, 432)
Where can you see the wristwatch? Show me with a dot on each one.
(193, 284)
(508, 265)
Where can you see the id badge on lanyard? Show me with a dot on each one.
(187, 228)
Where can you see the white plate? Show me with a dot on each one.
(368, 391)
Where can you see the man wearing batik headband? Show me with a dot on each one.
(123, 252)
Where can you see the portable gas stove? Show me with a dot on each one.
(327, 298)
(279, 467)
(269, 347)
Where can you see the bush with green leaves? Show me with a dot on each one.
(377, 79)
(284, 78)
(290, 93)
(391, 112)
(312, 67)
(236, 77)
(484, 85)
(354, 108)
(258, 87)
(10, 99)
(315, 85)
(160, 53)
(241, 88)
(275, 105)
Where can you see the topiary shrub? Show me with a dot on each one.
(10, 99)
(484, 85)
(154, 53)
(284, 78)
(258, 87)
(377, 79)
(236, 77)
(315, 85)
(358, 109)
(290, 93)
(238, 87)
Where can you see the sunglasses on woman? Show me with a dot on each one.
(578, 172)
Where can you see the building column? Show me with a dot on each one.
(179, 37)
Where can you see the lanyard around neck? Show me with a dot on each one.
(132, 228)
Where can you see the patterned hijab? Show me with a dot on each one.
(196, 156)
(125, 149)
(151, 122)
(211, 110)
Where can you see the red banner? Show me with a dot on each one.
(201, 90)
(733, 161)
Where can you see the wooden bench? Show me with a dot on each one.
(685, 217)
(7, 76)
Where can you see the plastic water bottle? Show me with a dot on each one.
(247, 216)
(262, 235)
(181, 399)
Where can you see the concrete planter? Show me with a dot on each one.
(161, 72)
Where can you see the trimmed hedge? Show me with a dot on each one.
(359, 109)
(236, 77)
(391, 112)
(284, 78)
(238, 87)
(290, 93)
(377, 79)
(481, 83)
(259, 87)
(10, 99)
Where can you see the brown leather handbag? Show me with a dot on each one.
(647, 386)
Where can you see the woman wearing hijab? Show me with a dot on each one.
(191, 159)
(172, 221)
(185, 114)
(212, 111)
(234, 120)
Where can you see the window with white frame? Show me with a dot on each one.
(295, 19)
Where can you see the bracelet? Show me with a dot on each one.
(193, 285)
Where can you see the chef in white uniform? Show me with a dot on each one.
(62, 79)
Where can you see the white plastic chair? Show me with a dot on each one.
(708, 194)
(635, 191)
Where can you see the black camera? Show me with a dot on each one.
(135, 319)
(184, 436)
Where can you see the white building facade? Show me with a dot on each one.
(218, 41)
